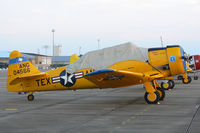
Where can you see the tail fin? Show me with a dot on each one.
(18, 67)
(73, 58)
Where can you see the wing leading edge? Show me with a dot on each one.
(111, 78)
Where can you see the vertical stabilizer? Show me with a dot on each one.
(18, 66)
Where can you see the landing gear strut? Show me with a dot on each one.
(30, 97)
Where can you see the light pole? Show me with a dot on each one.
(53, 30)
(161, 40)
(98, 43)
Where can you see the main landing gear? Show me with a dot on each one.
(154, 93)
(152, 98)
(168, 85)
(186, 79)
(189, 79)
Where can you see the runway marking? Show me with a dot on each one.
(193, 117)
(133, 117)
(10, 109)
(123, 123)
(141, 113)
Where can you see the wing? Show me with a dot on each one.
(111, 78)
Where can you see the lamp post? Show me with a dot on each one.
(53, 30)
(161, 40)
(98, 43)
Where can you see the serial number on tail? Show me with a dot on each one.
(23, 68)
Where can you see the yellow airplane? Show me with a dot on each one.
(169, 82)
(163, 62)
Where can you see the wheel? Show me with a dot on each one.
(30, 97)
(189, 80)
(179, 77)
(171, 83)
(165, 85)
(152, 98)
(161, 93)
(195, 77)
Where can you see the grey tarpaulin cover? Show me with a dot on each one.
(106, 57)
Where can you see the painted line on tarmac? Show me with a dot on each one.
(193, 117)
(10, 109)
(123, 123)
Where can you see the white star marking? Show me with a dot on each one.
(70, 78)
(67, 79)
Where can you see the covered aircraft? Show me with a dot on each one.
(91, 71)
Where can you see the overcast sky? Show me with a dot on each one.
(26, 25)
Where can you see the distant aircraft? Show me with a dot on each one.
(194, 64)
(163, 62)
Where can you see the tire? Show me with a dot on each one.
(164, 85)
(152, 98)
(161, 93)
(196, 77)
(189, 80)
(30, 97)
(171, 84)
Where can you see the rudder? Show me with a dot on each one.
(18, 67)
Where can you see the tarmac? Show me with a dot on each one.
(121, 110)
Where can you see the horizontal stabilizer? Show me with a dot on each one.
(18, 79)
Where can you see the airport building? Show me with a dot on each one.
(39, 60)
(57, 50)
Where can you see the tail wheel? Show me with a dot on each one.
(30, 97)
(161, 93)
(171, 83)
(152, 98)
(189, 80)
(165, 85)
